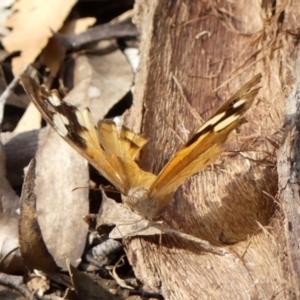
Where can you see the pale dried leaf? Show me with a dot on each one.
(101, 79)
(31, 24)
(30, 120)
(60, 209)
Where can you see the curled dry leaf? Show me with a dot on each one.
(33, 249)
(58, 206)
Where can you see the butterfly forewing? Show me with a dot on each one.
(79, 130)
(202, 148)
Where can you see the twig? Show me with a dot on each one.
(203, 243)
(7, 92)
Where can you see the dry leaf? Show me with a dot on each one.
(60, 209)
(101, 79)
(30, 120)
(31, 24)
(33, 249)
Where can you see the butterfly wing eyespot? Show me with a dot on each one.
(203, 147)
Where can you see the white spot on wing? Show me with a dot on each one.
(88, 119)
(239, 103)
(80, 118)
(60, 125)
(226, 123)
(64, 119)
(212, 121)
(54, 99)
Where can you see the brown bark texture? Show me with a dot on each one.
(195, 55)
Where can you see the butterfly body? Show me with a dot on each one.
(114, 152)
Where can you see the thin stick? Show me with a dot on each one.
(7, 92)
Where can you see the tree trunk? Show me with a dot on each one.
(195, 55)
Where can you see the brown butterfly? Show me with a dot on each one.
(113, 152)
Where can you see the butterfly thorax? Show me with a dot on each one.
(138, 200)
